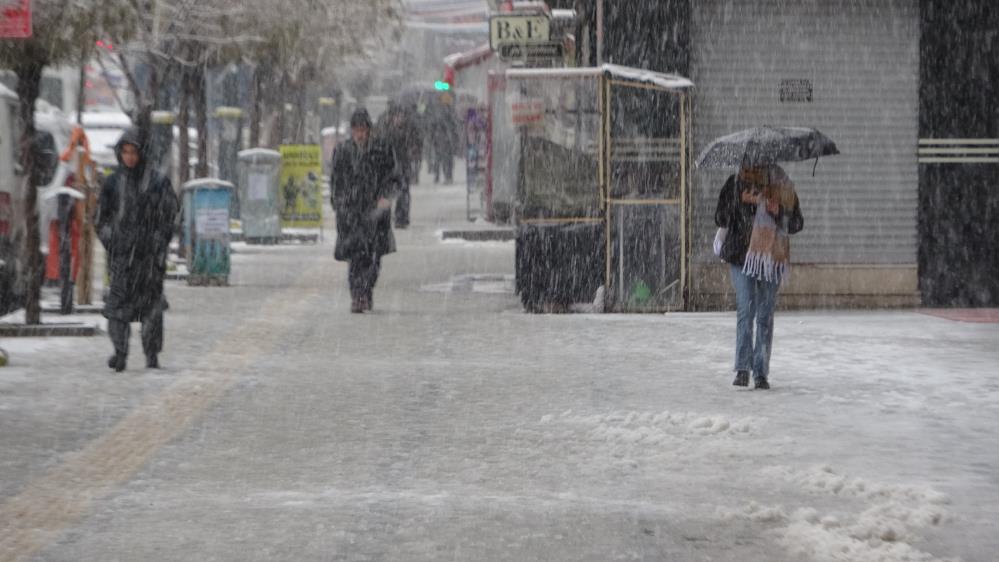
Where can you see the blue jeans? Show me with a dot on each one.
(754, 300)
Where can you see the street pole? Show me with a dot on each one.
(600, 32)
(83, 289)
(66, 212)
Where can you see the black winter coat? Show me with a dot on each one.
(737, 217)
(404, 140)
(358, 179)
(135, 220)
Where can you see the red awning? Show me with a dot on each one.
(457, 61)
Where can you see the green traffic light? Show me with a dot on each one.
(442, 85)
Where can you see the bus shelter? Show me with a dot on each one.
(602, 196)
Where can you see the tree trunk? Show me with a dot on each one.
(300, 111)
(201, 121)
(183, 125)
(258, 86)
(281, 127)
(29, 77)
(81, 94)
(142, 114)
(85, 279)
(85, 275)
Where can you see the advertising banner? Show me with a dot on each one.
(15, 19)
(301, 188)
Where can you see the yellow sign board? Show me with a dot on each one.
(301, 186)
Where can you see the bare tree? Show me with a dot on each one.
(307, 40)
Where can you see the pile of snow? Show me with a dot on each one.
(890, 521)
(488, 283)
(652, 428)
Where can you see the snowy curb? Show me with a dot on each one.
(75, 329)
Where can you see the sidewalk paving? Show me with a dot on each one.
(448, 424)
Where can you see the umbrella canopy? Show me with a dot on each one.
(766, 145)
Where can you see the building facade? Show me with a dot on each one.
(908, 212)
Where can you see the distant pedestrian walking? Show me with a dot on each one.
(444, 138)
(361, 181)
(757, 211)
(135, 222)
(400, 132)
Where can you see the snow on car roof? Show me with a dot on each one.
(6, 92)
(671, 81)
(106, 119)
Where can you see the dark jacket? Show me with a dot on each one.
(358, 179)
(403, 138)
(135, 220)
(444, 130)
(737, 217)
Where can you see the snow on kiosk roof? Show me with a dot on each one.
(626, 73)
(208, 183)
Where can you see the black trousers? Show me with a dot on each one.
(443, 159)
(362, 274)
(152, 332)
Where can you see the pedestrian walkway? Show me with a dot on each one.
(449, 425)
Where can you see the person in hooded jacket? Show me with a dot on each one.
(362, 181)
(135, 221)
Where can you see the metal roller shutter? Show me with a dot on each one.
(859, 64)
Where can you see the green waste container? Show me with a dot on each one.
(206, 230)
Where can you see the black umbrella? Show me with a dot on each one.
(766, 145)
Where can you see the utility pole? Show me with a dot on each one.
(600, 32)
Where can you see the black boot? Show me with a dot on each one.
(741, 378)
(152, 362)
(762, 384)
(369, 301)
(117, 362)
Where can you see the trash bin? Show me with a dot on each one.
(259, 179)
(206, 230)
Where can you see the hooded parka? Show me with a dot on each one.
(135, 222)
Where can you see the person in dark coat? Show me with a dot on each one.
(757, 209)
(443, 138)
(402, 135)
(362, 177)
(135, 221)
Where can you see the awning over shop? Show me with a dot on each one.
(625, 73)
(458, 61)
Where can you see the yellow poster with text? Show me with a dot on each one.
(301, 186)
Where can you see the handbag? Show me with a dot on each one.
(720, 236)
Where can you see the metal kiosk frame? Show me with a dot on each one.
(604, 152)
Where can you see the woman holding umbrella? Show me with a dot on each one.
(759, 208)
